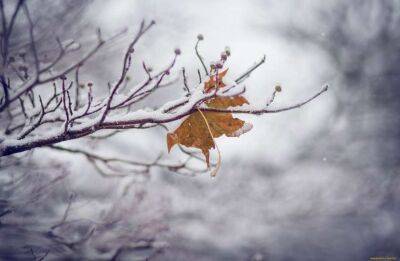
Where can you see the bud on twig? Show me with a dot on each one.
(227, 51)
(224, 56)
(177, 51)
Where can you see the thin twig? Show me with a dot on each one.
(247, 73)
(185, 84)
(200, 58)
(64, 101)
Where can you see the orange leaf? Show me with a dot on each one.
(225, 102)
(193, 132)
(212, 82)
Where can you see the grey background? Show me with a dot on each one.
(317, 183)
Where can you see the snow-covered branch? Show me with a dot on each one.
(71, 111)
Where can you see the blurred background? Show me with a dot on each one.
(316, 183)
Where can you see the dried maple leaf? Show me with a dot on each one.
(212, 82)
(194, 131)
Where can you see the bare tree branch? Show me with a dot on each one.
(76, 119)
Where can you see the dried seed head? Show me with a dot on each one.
(278, 88)
(228, 51)
(177, 51)
(224, 56)
(200, 37)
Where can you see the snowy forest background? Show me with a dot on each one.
(317, 183)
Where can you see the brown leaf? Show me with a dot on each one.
(225, 102)
(193, 132)
(212, 82)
